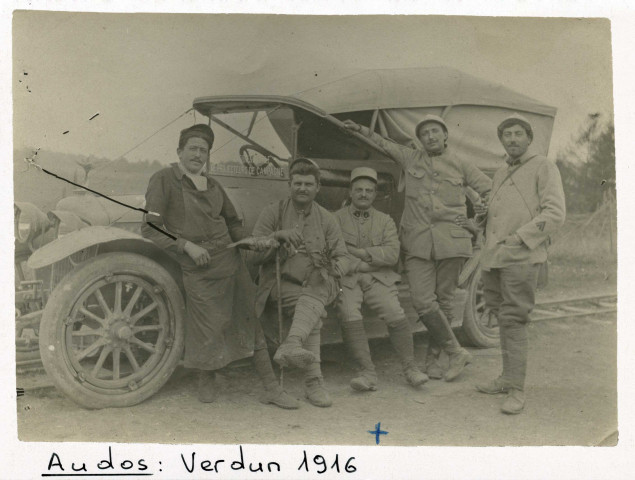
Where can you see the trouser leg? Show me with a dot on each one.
(312, 344)
(314, 388)
(518, 287)
(355, 339)
(308, 313)
(422, 278)
(493, 300)
(401, 340)
(432, 366)
(349, 305)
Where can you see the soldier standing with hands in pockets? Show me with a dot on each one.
(527, 206)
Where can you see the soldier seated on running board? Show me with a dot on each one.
(371, 238)
(315, 256)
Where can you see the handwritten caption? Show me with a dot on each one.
(192, 462)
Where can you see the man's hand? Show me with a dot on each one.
(364, 267)
(463, 221)
(351, 125)
(360, 253)
(513, 240)
(480, 209)
(290, 236)
(196, 253)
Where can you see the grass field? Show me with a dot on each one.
(583, 256)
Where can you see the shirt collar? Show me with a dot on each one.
(180, 171)
(359, 214)
(307, 211)
(517, 161)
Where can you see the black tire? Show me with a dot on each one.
(130, 312)
(479, 327)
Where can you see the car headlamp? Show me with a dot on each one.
(29, 222)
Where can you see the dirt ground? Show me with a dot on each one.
(571, 400)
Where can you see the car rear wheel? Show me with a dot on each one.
(480, 327)
(112, 331)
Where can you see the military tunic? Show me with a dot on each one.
(319, 231)
(435, 196)
(434, 247)
(377, 235)
(529, 203)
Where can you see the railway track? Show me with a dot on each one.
(546, 310)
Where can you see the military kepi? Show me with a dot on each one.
(363, 172)
(515, 119)
(200, 130)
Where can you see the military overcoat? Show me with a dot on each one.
(527, 199)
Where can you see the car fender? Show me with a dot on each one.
(109, 239)
(76, 241)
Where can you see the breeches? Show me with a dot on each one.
(380, 298)
(433, 283)
(510, 292)
(323, 290)
(510, 296)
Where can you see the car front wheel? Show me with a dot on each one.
(112, 331)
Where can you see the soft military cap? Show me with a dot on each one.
(515, 119)
(200, 130)
(428, 119)
(363, 172)
(303, 160)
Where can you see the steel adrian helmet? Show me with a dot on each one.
(428, 119)
(515, 119)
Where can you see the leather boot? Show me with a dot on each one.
(439, 328)
(498, 385)
(315, 392)
(401, 340)
(433, 368)
(514, 402)
(355, 339)
(308, 312)
(207, 391)
(273, 394)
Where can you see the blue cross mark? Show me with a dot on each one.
(377, 432)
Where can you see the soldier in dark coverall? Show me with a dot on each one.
(434, 246)
(526, 207)
(371, 237)
(312, 238)
(221, 326)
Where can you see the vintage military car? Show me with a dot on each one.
(108, 305)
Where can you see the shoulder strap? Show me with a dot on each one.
(509, 175)
(279, 219)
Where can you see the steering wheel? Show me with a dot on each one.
(252, 156)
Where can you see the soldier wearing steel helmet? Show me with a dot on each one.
(371, 237)
(526, 207)
(434, 244)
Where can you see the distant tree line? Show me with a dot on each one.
(587, 166)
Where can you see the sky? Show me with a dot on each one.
(141, 71)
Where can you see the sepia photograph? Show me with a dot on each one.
(353, 230)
